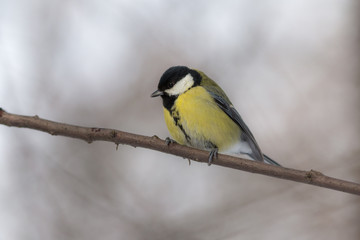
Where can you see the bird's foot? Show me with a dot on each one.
(169, 141)
(212, 154)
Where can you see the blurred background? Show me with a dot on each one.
(291, 68)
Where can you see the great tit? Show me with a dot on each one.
(199, 114)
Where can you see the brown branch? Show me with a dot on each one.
(118, 137)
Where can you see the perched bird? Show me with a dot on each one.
(199, 114)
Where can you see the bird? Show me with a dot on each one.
(199, 114)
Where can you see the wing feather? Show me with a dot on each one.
(246, 134)
(225, 104)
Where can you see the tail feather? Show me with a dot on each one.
(270, 161)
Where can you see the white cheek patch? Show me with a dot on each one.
(181, 86)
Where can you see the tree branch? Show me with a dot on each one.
(118, 137)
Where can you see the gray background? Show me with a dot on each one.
(291, 68)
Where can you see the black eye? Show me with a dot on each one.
(171, 84)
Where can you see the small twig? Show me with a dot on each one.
(118, 137)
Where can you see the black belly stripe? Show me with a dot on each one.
(176, 120)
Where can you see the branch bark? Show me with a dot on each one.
(311, 177)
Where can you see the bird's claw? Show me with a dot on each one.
(168, 141)
(212, 154)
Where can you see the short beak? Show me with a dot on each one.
(157, 93)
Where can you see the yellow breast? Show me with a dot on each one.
(199, 117)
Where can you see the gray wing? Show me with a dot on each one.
(246, 134)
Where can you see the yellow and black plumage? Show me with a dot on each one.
(199, 114)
